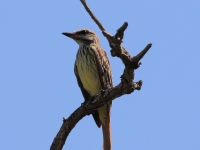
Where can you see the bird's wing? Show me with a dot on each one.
(103, 67)
(105, 76)
(104, 71)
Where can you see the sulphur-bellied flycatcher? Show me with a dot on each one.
(93, 73)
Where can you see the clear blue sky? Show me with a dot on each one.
(38, 87)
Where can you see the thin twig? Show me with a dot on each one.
(92, 16)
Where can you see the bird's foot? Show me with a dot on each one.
(103, 91)
(91, 99)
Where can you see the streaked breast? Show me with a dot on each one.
(87, 70)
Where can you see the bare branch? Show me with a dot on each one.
(92, 15)
(126, 86)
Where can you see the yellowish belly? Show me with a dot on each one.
(88, 73)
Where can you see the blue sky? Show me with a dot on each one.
(38, 86)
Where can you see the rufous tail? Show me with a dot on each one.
(104, 115)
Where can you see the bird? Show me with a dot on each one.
(93, 73)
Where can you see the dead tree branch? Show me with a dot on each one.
(126, 86)
(92, 15)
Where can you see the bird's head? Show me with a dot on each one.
(83, 36)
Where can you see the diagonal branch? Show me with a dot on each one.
(92, 15)
(126, 86)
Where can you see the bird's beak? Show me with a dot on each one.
(71, 35)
